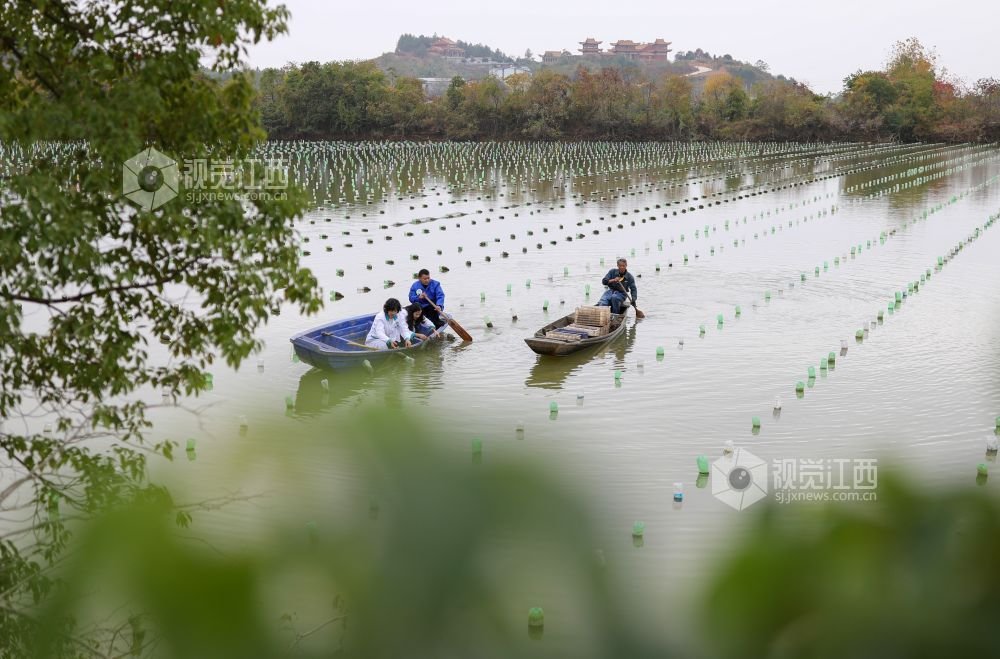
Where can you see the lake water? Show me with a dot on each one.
(704, 229)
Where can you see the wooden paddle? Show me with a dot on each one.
(355, 343)
(638, 313)
(458, 328)
(451, 321)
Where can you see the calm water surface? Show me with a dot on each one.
(919, 394)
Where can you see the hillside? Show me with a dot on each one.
(412, 66)
(423, 45)
(568, 64)
(414, 58)
(749, 73)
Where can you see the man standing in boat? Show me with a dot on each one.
(428, 294)
(618, 280)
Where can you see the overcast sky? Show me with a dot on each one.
(817, 43)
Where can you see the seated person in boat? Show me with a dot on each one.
(618, 280)
(389, 328)
(428, 294)
(417, 322)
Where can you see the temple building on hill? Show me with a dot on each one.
(625, 48)
(590, 47)
(550, 56)
(445, 47)
(656, 51)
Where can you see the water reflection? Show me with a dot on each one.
(322, 390)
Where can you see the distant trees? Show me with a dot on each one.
(910, 99)
(783, 110)
(404, 106)
(602, 102)
(454, 93)
(547, 107)
(673, 104)
(481, 51)
(409, 44)
(985, 109)
(694, 54)
(332, 98)
(866, 99)
(724, 103)
(904, 101)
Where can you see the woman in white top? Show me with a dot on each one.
(389, 328)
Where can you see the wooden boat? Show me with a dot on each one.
(544, 345)
(341, 345)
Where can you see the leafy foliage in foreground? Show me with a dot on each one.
(87, 280)
(431, 554)
(913, 575)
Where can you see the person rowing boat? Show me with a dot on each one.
(618, 280)
(430, 296)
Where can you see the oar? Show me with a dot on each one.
(638, 313)
(353, 343)
(458, 328)
(424, 343)
(451, 321)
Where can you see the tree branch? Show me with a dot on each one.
(302, 635)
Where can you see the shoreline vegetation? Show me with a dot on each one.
(911, 99)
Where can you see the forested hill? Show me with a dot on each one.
(911, 98)
(417, 46)
(412, 58)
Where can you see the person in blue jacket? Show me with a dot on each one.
(618, 280)
(428, 294)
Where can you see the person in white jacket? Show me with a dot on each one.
(389, 328)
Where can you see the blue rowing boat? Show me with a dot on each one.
(341, 344)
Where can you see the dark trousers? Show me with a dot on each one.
(612, 299)
(431, 314)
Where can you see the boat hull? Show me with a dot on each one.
(553, 348)
(340, 345)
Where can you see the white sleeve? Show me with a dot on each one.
(404, 331)
(378, 329)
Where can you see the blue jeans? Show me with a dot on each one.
(612, 299)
